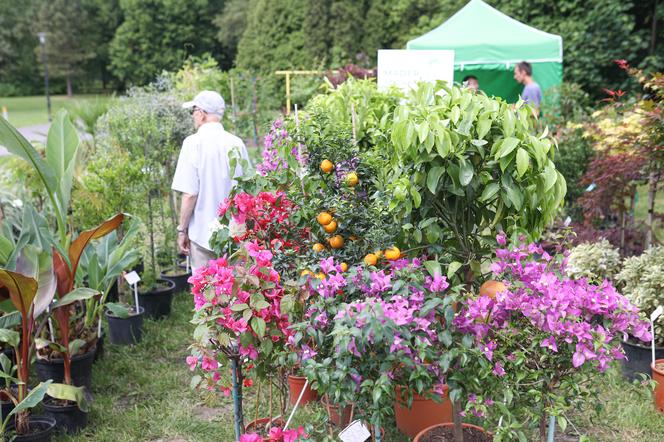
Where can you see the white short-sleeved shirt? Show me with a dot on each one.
(203, 169)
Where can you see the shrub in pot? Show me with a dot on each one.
(642, 281)
(595, 261)
(239, 323)
(156, 297)
(125, 323)
(539, 342)
(658, 377)
(377, 330)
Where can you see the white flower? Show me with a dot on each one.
(236, 229)
(215, 226)
(17, 203)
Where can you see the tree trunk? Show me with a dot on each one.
(458, 423)
(542, 428)
(69, 90)
(650, 219)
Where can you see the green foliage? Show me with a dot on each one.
(158, 35)
(595, 261)
(642, 279)
(465, 167)
(231, 24)
(19, 70)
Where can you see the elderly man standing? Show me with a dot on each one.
(203, 174)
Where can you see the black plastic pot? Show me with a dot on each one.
(81, 369)
(41, 430)
(157, 302)
(6, 406)
(68, 418)
(179, 278)
(639, 358)
(125, 331)
(99, 350)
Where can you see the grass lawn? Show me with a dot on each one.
(28, 111)
(142, 393)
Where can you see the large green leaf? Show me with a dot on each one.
(22, 289)
(10, 320)
(10, 337)
(31, 400)
(38, 264)
(433, 177)
(69, 393)
(61, 151)
(78, 294)
(522, 161)
(466, 173)
(19, 146)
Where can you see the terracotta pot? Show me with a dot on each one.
(658, 376)
(339, 416)
(259, 424)
(295, 386)
(424, 433)
(423, 412)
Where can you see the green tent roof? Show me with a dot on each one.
(480, 34)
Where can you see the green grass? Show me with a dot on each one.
(29, 111)
(142, 393)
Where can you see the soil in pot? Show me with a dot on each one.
(262, 426)
(658, 376)
(41, 429)
(125, 331)
(423, 412)
(295, 386)
(157, 300)
(68, 417)
(445, 433)
(179, 278)
(338, 416)
(639, 358)
(81, 369)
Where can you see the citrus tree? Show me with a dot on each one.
(465, 167)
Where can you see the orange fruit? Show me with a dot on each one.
(336, 241)
(318, 247)
(331, 227)
(326, 166)
(320, 275)
(324, 218)
(344, 267)
(352, 179)
(370, 259)
(491, 287)
(392, 254)
(378, 253)
(306, 272)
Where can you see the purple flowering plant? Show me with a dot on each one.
(540, 344)
(369, 330)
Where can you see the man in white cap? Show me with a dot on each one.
(203, 174)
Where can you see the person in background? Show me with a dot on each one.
(470, 81)
(532, 93)
(203, 175)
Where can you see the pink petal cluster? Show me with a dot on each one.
(277, 434)
(590, 319)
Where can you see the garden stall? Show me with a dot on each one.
(488, 43)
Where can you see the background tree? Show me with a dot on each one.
(64, 22)
(231, 23)
(19, 70)
(160, 34)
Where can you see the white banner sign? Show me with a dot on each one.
(404, 68)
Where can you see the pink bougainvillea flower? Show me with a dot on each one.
(192, 361)
(251, 437)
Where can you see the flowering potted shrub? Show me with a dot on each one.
(642, 281)
(277, 434)
(238, 320)
(539, 343)
(372, 331)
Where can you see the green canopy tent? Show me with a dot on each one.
(488, 43)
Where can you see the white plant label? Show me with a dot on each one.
(355, 432)
(132, 278)
(654, 315)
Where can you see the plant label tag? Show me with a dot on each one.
(355, 432)
(132, 278)
(654, 315)
(591, 187)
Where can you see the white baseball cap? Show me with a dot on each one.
(209, 102)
